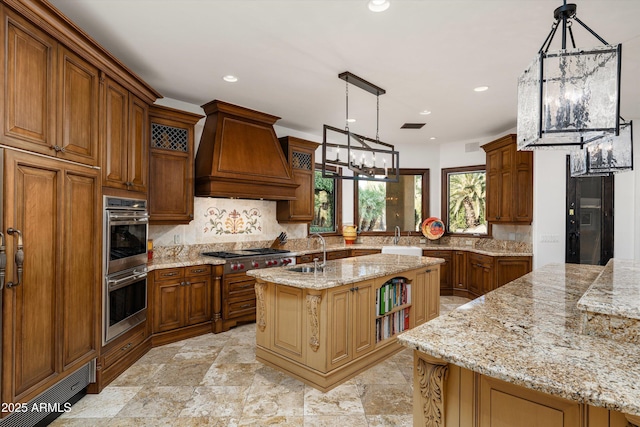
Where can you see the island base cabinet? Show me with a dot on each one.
(452, 396)
(325, 337)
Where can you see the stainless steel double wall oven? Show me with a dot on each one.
(126, 229)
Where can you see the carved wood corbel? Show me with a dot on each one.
(261, 322)
(431, 374)
(313, 302)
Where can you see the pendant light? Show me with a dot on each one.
(569, 97)
(605, 156)
(369, 159)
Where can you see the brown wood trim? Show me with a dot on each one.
(444, 197)
(425, 200)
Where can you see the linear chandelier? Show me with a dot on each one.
(569, 97)
(604, 156)
(369, 159)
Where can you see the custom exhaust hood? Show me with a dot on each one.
(240, 156)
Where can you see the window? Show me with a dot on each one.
(464, 200)
(327, 212)
(381, 206)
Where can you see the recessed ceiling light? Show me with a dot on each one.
(351, 120)
(481, 88)
(425, 112)
(229, 78)
(432, 138)
(378, 5)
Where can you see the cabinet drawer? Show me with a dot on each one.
(127, 346)
(168, 274)
(307, 258)
(198, 270)
(241, 285)
(337, 254)
(240, 308)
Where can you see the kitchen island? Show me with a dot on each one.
(325, 327)
(519, 356)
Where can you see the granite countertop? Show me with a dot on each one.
(616, 291)
(528, 333)
(344, 271)
(431, 247)
(183, 262)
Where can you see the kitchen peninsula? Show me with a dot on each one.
(327, 326)
(525, 354)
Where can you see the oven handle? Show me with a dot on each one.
(113, 285)
(140, 218)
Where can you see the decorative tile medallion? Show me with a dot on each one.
(249, 221)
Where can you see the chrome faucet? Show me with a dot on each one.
(324, 252)
(396, 235)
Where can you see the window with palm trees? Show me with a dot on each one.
(327, 210)
(464, 199)
(381, 206)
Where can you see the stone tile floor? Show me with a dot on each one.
(214, 380)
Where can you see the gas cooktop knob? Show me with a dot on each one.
(255, 264)
(234, 266)
(241, 266)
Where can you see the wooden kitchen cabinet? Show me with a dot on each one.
(350, 309)
(182, 298)
(446, 269)
(510, 268)
(480, 272)
(361, 252)
(509, 182)
(124, 139)
(459, 273)
(50, 327)
(238, 300)
(171, 165)
(324, 337)
(425, 304)
(51, 98)
(301, 157)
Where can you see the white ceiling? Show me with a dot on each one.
(287, 54)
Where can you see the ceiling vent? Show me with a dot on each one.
(412, 126)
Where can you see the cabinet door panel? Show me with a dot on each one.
(198, 300)
(138, 157)
(289, 322)
(419, 293)
(29, 113)
(433, 294)
(81, 272)
(168, 306)
(363, 315)
(169, 197)
(339, 315)
(78, 99)
(32, 205)
(116, 104)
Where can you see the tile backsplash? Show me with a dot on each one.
(221, 221)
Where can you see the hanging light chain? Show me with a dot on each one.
(377, 115)
(346, 119)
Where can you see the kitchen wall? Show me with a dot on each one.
(547, 232)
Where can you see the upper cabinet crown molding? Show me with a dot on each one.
(53, 22)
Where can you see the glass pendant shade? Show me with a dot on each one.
(569, 97)
(604, 156)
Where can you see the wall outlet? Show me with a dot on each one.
(423, 240)
(176, 239)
